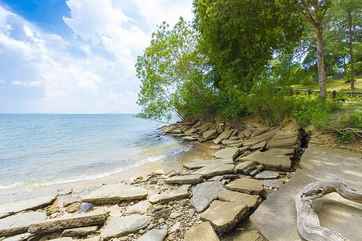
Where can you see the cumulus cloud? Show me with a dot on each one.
(91, 72)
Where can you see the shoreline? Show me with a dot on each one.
(221, 188)
(18, 193)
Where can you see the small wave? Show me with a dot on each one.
(84, 178)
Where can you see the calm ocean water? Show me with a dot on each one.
(37, 149)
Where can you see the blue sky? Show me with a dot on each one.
(76, 56)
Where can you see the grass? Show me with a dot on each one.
(338, 85)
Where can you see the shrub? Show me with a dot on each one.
(313, 111)
(270, 102)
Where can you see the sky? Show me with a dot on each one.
(76, 56)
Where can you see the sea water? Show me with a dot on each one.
(43, 149)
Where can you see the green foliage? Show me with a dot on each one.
(345, 137)
(314, 111)
(167, 64)
(240, 37)
(345, 125)
(351, 120)
(270, 102)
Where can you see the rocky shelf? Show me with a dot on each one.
(206, 201)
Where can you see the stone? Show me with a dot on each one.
(233, 143)
(95, 238)
(204, 127)
(248, 235)
(243, 166)
(85, 207)
(154, 235)
(246, 185)
(119, 226)
(175, 228)
(95, 218)
(185, 179)
(274, 159)
(203, 194)
(73, 208)
(215, 147)
(257, 170)
(26, 205)
(224, 135)
(284, 140)
(258, 146)
(201, 232)
(276, 183)
(191, 131)
(251, 201)
(62, 239)
(224, 216)
(80, 232)
(19, 237)
(260, 138)
(115, 193)
(197, 164)
(267, 175)
(189, 138)
(139, 208)
(260, 131)
(209, 134)
(175, 215)
(19, 223)
(226, 153)
(178, 194)
(215, 170)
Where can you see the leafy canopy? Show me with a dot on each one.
(240, 37)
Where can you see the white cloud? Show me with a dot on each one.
(93, 72)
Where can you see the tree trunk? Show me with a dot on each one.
(320, 59)
(350, 46)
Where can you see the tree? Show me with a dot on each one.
(171, 65)
(315, 12)
(241, 37)
(348, 13)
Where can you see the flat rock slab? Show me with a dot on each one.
(215, 170)
(244, 166)
(336, 213)
(260, 138)
(267, 175)
(203, 194)
(154, 235)
(209, 134)
(251, 201)
(115, 193)
(185, 179)
(139, 208)
(224, 216)
(224, 135)
(20, 222)
(274, 159)
(62, 239)
(30, 204)
(247, 235)
(201, 232)
(80, 232)
(197, 164)
(94, 218)
(178, 194)
(246, 185)
(226, 153)
(119, 226)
